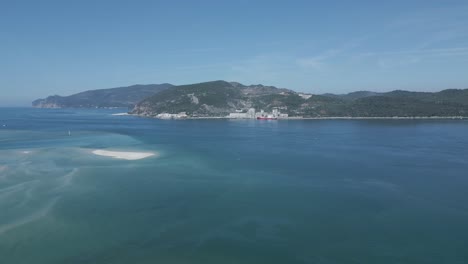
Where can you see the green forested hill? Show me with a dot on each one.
(219, 98)
(396, 103)
(216, 98)
(113, 97)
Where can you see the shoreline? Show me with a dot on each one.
(321, 118)
(387, 118)
(303, 118)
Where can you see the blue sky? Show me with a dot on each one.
(64, 47)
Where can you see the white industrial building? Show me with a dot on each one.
(244, 115)
(251, 114)
(172, 116)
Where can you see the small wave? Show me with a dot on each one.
(3, 168)
(67, 179)
(15, 188)
(30, 218)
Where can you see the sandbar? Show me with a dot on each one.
(123, 154)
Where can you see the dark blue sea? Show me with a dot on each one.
(230, 191)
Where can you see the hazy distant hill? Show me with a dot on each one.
(219, 98)
(352, 95)
(113, 97)
(451, 102)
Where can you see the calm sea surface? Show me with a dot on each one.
(239, 191)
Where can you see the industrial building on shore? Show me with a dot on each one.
(251, 114)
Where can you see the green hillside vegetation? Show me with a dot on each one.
(112, 97)
(201, 99)
(402, 104)
(353, 95)
(219, 98)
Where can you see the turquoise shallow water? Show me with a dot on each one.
(220, 191)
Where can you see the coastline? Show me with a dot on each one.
(386, 118)
(320, 118)
(297, 117)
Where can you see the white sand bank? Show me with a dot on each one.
(123, 154)
(120, 114)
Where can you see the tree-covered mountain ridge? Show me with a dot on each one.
(219, 98)
(113, 97)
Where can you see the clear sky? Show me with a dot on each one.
(64, 47)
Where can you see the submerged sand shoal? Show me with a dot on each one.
(123, 154)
